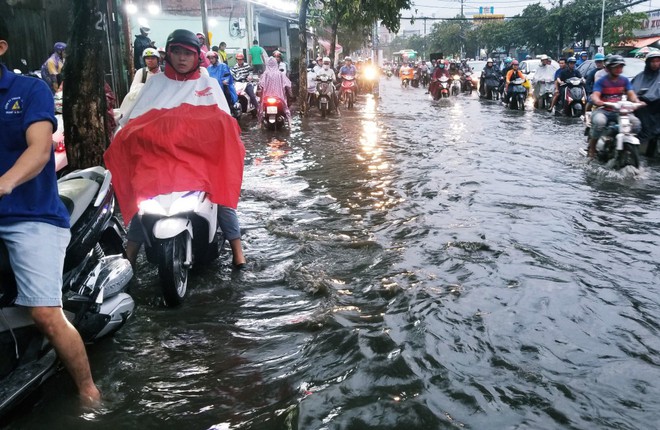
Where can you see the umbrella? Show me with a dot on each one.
(644, 50)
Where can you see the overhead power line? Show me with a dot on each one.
(432, 18)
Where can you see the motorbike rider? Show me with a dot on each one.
(281, 64)
(512, 74)
(506, 66)
(319, 64)
(465, 67)
(570, 71)
(562, 66)
(489, 72)
(34, 224)
(407, 71)
(220, 71)
(241, 73)
(329, 72)
(544, 74)
(582, 58)
(151, 68)
(440, 71)
(348, 69)
(188, 105)
(274, 83)
(611, 88)
(51, 70)
(647, 86)
(590, 79)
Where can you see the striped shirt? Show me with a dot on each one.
(241, 73)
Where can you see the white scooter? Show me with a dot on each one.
(180, 230)
(618, 142)
(243, 98)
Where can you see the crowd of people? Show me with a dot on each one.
(166, 117)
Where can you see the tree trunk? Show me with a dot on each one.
(333, 42)
(84, 103)
(302, 64)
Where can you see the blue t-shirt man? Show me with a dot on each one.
(24, 101)
(612, 90)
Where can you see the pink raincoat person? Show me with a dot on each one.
(274, 83)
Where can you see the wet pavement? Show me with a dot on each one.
(411, 265)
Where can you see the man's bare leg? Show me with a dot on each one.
(70, 349)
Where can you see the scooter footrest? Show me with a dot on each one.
(25, 379)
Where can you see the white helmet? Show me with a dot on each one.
(543, 57)
(326, 59)
(490, 60)
(150, 52)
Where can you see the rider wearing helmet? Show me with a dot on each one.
(348, 69)
(544, 75)
(326, 69)
(489, 73)
(220, 71)
(512, 74)
(281, 64)
(318, 65)
(51, 70)
(611, 88)
(583, 57)
(151, 59)
(570, 71)
(590, 79)
(241, 73)
(178, 135)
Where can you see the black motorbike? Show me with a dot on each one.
(95, 280)
(573, 98)
(274, 115)
(517, 94)
(491, 88)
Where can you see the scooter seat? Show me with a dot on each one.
(77, 194)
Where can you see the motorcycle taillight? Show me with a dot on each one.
(271, 100)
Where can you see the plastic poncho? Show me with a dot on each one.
(274, 83)
(221, 72)
(647, 86)
(178, 136)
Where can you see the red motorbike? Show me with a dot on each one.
(348, 90)
(440, 87)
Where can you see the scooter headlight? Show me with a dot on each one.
(151, 207)
(456, 77)
(370, 73)
(186, 203)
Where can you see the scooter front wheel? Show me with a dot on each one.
(172, 272)
(629, 156)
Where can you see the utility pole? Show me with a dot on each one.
(462, 2)
(205, 24)
(424, 41)
(560, 36)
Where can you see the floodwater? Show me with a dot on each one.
(412, 265)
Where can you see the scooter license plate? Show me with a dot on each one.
(271, 109)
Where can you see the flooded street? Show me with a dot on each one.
(411, 265)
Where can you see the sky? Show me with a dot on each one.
(451, 8)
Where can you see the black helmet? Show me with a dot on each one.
(614, 60)
(183, 37)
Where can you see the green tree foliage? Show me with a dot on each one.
(620, 27)
(538, 29)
